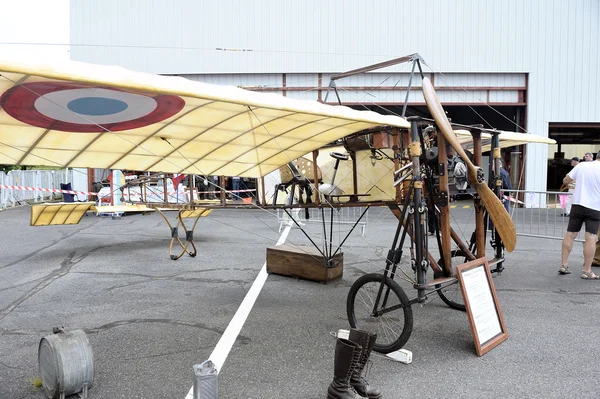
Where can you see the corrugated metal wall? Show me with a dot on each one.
(554, 41)
(381, 88)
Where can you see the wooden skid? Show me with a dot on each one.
(198, 212)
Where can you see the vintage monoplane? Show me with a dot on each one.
(72, 114)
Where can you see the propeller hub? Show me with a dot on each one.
(480, 175)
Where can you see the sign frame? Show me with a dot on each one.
(480, 299)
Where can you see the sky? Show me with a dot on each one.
(35, 21)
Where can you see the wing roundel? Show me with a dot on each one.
(84, 108)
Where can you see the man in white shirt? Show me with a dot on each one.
(585, 209)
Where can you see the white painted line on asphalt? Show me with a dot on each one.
(219, 354)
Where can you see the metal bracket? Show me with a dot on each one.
(330, 264)
(443, 198)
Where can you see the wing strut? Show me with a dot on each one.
(414, 58)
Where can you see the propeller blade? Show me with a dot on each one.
(501, 219)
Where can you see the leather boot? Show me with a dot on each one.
(359, 383)
(347, 354)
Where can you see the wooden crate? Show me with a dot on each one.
(303, 261)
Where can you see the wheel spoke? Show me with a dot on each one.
(392, 328)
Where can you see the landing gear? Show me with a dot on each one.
(377, 304)
(451, 294)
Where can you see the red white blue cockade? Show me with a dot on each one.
(84, 108)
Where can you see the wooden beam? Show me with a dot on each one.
(446, 238)
(315, 167)
(479, 222)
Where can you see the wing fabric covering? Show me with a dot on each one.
(507, 139)
(74, 114)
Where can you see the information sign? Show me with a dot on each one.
(483, 309)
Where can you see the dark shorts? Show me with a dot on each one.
(581, 214)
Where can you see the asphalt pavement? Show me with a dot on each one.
(150, 319)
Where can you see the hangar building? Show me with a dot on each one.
(513, 65)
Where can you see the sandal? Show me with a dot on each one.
(564, 270)
(589, 276)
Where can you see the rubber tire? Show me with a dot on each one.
(457, 253)
(395, 290)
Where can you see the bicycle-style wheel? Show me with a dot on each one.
(393, 327)
(451, 294)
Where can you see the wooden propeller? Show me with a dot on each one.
(501, 219)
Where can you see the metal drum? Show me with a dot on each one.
(66, 363)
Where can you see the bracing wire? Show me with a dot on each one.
(444, 77)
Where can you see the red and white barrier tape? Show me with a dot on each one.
(56, 190)
(157, 192)
(51, 190)
(228, 191)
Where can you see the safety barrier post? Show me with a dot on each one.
(37, 179)
(11, 193)
(3, 191)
